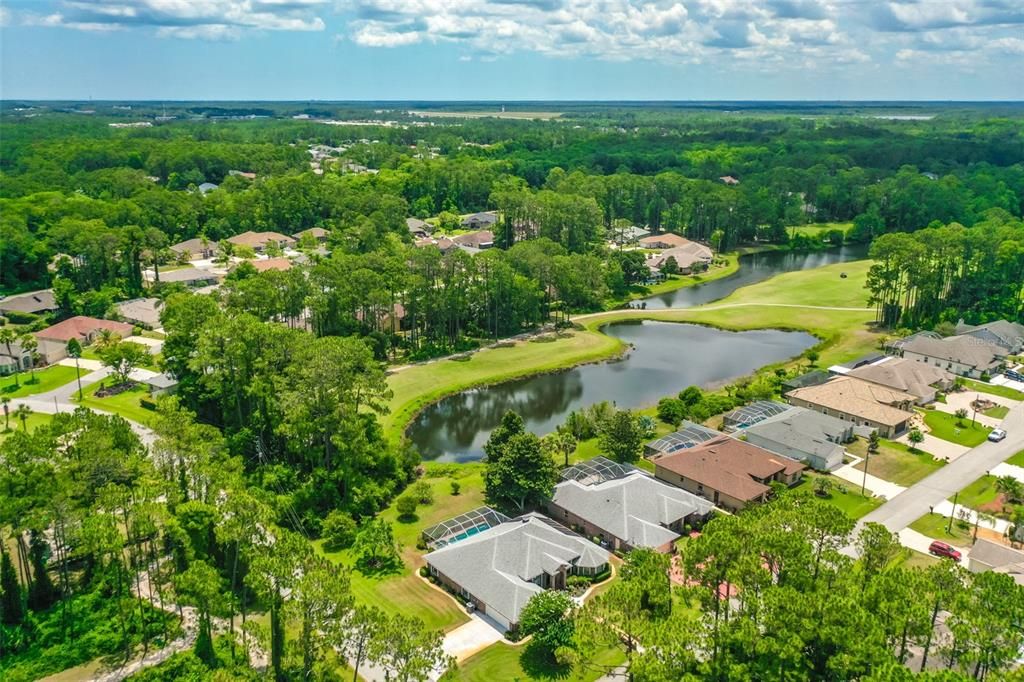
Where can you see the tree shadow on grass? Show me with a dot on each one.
(540, 664)
(378, 570)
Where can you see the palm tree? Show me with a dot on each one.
(75, 351)
(106, 339)
(7, 412)
(23, 412)
(29, 344)
(7, 337)
(1011, 488)
(982, 516)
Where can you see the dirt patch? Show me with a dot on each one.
(996, 506)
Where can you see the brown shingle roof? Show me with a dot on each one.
(729, 466)
(475, 238)
(272, 264)
(259, 239)
(81, 327)
(860, 398)
(672, 240)
(903, 374)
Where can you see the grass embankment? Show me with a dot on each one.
(1001, 391)
(404, 591)
(896, 462)
(954, 429)
(45, 380)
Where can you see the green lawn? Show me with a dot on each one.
(815, 229)
(946, 426)
(978, 494)
(47, 379)
(934, 526)
(997, 412)
(405, 592)
(504, 663)
(731, 265)
(895, 462)
(913, 559)
(844, 495)
(125, 404)
(1017, 460)
(1002, 391)
(34, 421)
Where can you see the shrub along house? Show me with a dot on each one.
(729, 472)
(625, 507)
(499, 568)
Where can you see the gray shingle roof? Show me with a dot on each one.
(497, 566)
(965, 350)
(635, 508)
(804, 430)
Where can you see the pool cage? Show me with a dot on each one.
(754, 413)
(596, 470)
(687, 436)
(462, 526)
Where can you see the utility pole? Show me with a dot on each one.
(864, 483)
(949, 526)
(974, 406)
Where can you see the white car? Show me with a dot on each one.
(997, 435)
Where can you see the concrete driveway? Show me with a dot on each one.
(472, 637)
(957, 401)
(936, 447)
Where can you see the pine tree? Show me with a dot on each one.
(41, 594)
(12, 609)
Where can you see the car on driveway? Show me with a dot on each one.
(942, 549)
(997, 435)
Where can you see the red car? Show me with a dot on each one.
(939, 548)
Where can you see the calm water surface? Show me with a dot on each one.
(666, 357)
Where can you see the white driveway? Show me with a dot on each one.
(916, 541)
(956, 401)
(1002, 380)
(470, 638)
(85, 364)
(876, 485)
(1005, 469)
(936, 447)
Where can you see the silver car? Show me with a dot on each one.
(997, 435)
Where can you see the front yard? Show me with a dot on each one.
(1001, 391)
(954, 429)
(842, 494)
(895, 462)
(45, 380)
(934, 526)
(125, 404)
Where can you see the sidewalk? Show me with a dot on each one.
(1005, 469)
(877, 486)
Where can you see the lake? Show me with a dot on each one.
(666, 357)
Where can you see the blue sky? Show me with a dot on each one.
(512, 49)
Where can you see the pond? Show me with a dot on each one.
(755, 267)
(665, 358)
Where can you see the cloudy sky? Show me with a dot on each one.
(512, 49)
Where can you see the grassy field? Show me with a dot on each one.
(946, 426)
(895, 462)
(934, 526)
(978, 494)
(1001, 391)
(34, 421)
(504, 662)
(405, 592)
(125, 404)
(844, 495)
(815, 229)
(47, 379)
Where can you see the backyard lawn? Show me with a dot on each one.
(1001, 391)
(404, 591)
(125, 404)
(934, 526)
(950, 427)
(895, 462)
(47, 379)
(684, 281)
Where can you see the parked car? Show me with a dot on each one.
(997, 435)
(939, 548)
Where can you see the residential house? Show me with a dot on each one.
(886, 410)
(444, 244)
(686, 436)
(917, 378)
(484, 239)
(141, 311)
(259, 241)
(53, 340)
(195, 249)
(190, 277)
(662, 241)
(482, 220)
(801, 434)
(967, 356)
(688, 258)
(242, 174)
(161, 384)
(32, 302)
(14, 358)
(987, 555)
(206, 187)
(731, 473)
(1007, 335)
(624, 236)
(623, 506)
(280, 264)
(499, 568)
(317, 233)
(812, 378)
(729, 180)
(419, 229)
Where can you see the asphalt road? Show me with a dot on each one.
(915, 501)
